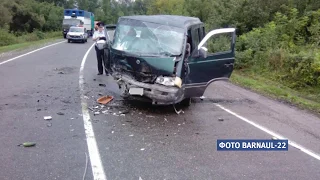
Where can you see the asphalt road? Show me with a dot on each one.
(146, 142)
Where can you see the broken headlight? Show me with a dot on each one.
(169, 81)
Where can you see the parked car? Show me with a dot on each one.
(165, 59)
(77, 33)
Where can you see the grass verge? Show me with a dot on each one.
(25, 45)
(306, 99)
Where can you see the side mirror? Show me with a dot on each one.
(203, 52)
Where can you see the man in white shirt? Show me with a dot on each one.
(100, 52)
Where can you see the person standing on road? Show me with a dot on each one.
(100, 35)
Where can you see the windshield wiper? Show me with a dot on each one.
(175, 55)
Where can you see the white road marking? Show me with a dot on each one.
(96, 164)
(278, 136)
(6, 61)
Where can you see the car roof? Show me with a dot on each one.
(171, 20)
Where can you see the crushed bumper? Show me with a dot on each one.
(158, 94)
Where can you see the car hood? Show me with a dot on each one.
(75, 33)
(142, 67)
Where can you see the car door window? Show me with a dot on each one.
(220, 43)
(189, 40)
(201, 33)
(195, 38)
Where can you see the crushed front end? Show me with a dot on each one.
(141, 79)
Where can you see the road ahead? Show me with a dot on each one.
(148, 143)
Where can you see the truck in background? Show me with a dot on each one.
(76, 17)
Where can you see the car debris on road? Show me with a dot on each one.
(47, 117)
(105, 99)
(27, 144)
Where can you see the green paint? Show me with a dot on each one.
(163, 63)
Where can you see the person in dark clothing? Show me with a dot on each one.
(99, 35)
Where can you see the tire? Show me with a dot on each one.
(68, 40)
(186, 102)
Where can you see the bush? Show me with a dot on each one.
(285, 49)
(7, 38)
(302, 70)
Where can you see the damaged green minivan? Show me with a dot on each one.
(168, 59)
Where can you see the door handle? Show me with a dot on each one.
(227, 65)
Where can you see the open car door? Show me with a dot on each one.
(212, 60)
(109, 32)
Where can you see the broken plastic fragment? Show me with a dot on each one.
(47, 117)
(124, 111)
(105, 112)
(178, 112)
(105, 99)
(142, 149)
(28, 144)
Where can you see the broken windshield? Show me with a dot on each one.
(146, 38)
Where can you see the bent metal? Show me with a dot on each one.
(164, 59)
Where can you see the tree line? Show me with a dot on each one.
(276, 38)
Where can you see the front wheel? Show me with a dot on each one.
(186, 102)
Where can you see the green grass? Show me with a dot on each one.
(25, 45)
(10, 42)
(306, 99)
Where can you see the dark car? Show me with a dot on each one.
(167, 59)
